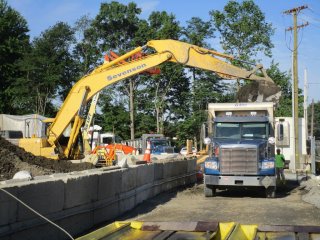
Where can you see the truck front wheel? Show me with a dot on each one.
(209, 190)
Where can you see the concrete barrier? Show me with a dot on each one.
(81, 200)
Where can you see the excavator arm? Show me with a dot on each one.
(72, 110)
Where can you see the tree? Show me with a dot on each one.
(86, 50)
(167, 90)
(117, 120)
(115, 29)
(197, 32)
(205, 86)
(282, 79)
(49, 70)
(14, 42)
(243, 29)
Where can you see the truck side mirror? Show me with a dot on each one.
(206, 130)
(271, 140)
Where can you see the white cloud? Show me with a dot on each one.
(148, 7)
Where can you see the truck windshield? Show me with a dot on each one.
(227, 130)
(254, 130)
(156, 143)
(107, 140)
(241, 130)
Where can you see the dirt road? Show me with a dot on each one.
(242, 206)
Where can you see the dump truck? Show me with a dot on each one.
(241, 152)
(158, 142)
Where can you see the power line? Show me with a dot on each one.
(288, 46)
(311, 10)
(310, 22)
(313, 18)
(313, 25)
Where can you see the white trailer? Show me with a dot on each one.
(284, 136)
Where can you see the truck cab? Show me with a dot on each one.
(241, 152)
(160, 146)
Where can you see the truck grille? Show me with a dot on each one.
(239, 161)
(168, 149)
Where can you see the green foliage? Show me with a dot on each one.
(86, 50)
(168, 91)
(197, 31)
(174, 102)
(116, 26)
(14, 42)
(204, 87)
(282, 79)
(49, 71)
(145, 123)
(243, 29)
(114, 117)
(163, 26)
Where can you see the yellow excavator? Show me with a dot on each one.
(63, 135)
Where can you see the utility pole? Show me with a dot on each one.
(312, 118)
(305, 104)
(294, 12)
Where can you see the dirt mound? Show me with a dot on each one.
(14, 159)
(259, 92)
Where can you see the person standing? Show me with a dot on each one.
(280, 162)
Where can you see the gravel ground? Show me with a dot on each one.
(312, 188)
(296, 203)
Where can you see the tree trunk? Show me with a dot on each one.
(131, 107)
(157, 118)
(161, 129)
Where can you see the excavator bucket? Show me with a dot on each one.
(262, 91)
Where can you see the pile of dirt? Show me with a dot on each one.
(14, 159)
(259, 91)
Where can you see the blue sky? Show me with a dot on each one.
(41, 14)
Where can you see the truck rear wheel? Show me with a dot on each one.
(270, 192)
(209, 190)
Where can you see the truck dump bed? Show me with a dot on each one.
(201, 230)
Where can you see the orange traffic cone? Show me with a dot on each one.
(147, 153)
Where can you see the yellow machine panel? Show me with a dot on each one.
(201, 230)
(38, 147)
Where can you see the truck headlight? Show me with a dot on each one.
(267, 165)
(211, 165)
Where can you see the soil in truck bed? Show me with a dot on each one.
(14, 159)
